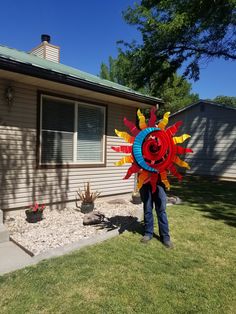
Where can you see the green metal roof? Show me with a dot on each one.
(35, 61)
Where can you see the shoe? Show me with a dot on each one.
(168, 244)
(145, 239)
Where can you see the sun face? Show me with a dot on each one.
(154, 150)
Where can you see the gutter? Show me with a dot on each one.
(50, 75)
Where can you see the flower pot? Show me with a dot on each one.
(136, 199)
(33, 217)
(87, 207)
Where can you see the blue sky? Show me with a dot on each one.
(87, 32)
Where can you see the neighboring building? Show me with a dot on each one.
(57, 128)
(212, 127)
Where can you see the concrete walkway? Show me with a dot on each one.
(12, 257)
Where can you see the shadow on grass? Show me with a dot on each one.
(215, 198)
(125, 223)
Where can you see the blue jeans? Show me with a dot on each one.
(159, 200)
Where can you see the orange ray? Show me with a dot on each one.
(125, 136)
(162, 124)
(165, 180)
(181, 163)
(141, 178)
(124, 160)
(181, 139)
(142, 120)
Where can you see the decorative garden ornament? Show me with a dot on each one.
(153, 151)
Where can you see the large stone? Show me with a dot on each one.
(175, 200)
(93, 218)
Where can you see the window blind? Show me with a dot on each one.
(63, 138)
(90, 133)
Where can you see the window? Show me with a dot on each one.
(71, 132)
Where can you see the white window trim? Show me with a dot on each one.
(75, 133)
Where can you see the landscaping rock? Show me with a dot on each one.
(118, 201)
(62, 227)
(93, 218)
(175, 200)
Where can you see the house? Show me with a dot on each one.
(57, 128)
(212, 127)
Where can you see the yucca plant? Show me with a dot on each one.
(87, 198)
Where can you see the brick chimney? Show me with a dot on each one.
(46, 50)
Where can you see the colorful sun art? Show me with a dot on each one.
(154, 150)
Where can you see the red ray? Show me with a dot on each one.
(152, 120)
(122, 149)
(174, 128)
(175, 173)
(153, 181)
(133, 169)
(132, 127)
(181, 150)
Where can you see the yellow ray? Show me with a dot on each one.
(165, 180)
(128, 138)
(142, 120)
(181, 163)
(162, 124)
(141, 178)
(124, 160)
(181, 139)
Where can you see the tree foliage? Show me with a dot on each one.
(179, 33)
(117, 70)
(226, 100)
(175, 92)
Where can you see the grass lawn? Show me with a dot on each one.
(123, 276)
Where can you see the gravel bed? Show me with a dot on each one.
(59, 228)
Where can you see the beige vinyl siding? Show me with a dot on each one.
(213, 139)
(22, 182)
(51, 53)
(39, 51)
(47, 51)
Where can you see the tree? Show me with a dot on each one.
(118, 70)
(226, 100)
(175, 92)
(180, 34)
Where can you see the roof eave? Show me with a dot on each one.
(35, 71)
(199, 102)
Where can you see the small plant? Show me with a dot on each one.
(87, 198)
(36, 207)
(35, 212)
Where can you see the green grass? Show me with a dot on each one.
(123, 276)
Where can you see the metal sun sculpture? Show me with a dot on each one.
(154, 150)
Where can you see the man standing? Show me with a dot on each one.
(158, 199)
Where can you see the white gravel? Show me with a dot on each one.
(59, 228)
